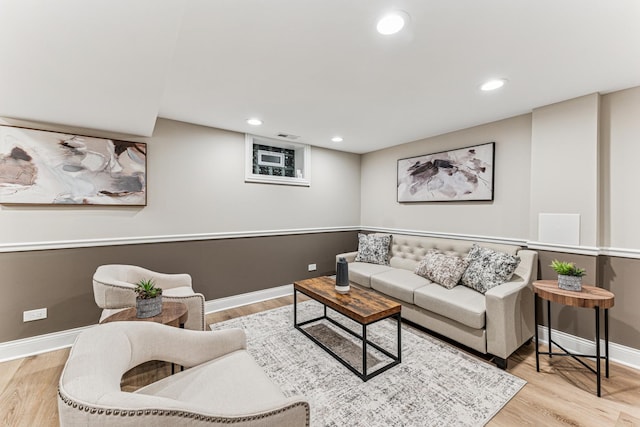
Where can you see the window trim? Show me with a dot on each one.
(303, 155)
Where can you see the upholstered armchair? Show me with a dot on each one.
(221, 385)
(114, 284)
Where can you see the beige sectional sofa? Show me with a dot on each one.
(496, 322)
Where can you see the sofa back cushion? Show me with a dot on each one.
(408, 251)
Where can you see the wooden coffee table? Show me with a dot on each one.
(173, 314)
(360, 305)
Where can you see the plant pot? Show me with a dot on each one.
(570, 283)
(148, 307)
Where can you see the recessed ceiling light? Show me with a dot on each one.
(337, 139)
(254, 122)
(391, 23)
(493, 84)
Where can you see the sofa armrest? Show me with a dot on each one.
(509, 309)
(349, 256)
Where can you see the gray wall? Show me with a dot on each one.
(61, 279)
(578, 157)
(196, 186)
(511, 201)
(196, 189)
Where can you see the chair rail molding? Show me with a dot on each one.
(114, 241)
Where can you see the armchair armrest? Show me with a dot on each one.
(169, 343)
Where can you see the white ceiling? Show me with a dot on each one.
(314, 68)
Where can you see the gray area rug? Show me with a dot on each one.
(435, 385)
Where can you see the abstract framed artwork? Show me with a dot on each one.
(465, 174)
(48, 168)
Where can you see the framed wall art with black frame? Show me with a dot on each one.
(49, 168)
(464, 174)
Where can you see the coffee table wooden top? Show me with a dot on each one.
(361, 305)
(589, 297)
(173, 314)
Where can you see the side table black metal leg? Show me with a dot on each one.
(535, 325)
(597, 309)
(606, 340)
(549, 328)
(399, 320)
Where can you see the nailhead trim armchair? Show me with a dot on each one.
(221, 384)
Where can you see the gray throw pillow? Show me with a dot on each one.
(488, 268)
(373, 248)
(445, 269)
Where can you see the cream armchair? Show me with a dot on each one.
(113, 287)
(221, 383)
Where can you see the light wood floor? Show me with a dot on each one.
(561, 394)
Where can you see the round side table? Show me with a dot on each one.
(589, 297)
(173, 314)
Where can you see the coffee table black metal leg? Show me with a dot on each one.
(295, 307)
(364, 352)
(597, 310)
(606, 340)
(535, 325)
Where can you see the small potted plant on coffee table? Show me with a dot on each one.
(569, 276)
(148, 299)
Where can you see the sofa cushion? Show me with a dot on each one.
(361, 272)
(442, 268)
(398, 283)
(374, 248)
(488, 268)
(462, 304)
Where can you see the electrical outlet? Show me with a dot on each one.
(31, 315)
(312, 267)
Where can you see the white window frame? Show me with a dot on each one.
(302, 159)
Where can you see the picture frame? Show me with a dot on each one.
(463, 174)
(39, 167)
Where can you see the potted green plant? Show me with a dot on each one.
(569, 276)
(148, 299)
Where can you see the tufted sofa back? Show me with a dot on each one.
(407, 251)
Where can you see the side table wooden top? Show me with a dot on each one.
(589, 297)
(173, 314)
(361, 305)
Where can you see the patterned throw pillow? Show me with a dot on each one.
(374, 248)
(445, 269)
(488, 268)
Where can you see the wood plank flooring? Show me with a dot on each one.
(561, 394)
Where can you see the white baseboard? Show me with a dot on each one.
(57, 340)
(248, 298)
(618, 353)
(39, 344)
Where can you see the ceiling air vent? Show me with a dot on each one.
(287, 136)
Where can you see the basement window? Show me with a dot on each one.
(271, 161)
